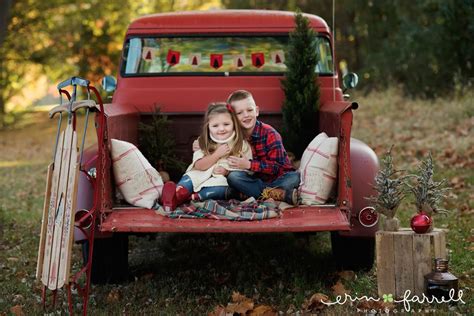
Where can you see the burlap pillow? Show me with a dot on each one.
(318, 170)
(137, 180)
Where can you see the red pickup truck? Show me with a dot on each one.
(167, 61)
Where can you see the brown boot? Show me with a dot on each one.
(278, 194)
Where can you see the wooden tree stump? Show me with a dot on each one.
(404, 258)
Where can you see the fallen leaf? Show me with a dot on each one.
(315, 303)
(237, 297)
(17, 310)
(462, 131)
(241, 304)
(339, 289)
(457, 183)
(263, 310)
(347, 275)
(449, 152)
(375, 305)
(113, 296)
(291, 309)
(219, 310)
(240, 308)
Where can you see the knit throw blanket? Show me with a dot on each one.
(234, 210)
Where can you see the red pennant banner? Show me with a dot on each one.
(216, 61)
(148, 53)
(239, 61)
(173, 57)
(278, 57)
(194, 59)
(258, 59)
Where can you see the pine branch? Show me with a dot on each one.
(428, 193)
(390, 188)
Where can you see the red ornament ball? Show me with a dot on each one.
(420, 223)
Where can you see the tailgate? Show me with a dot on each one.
(298, 219)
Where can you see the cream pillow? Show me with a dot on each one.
(139, 183)
(318, 170)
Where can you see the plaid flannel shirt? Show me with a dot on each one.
(270, 159)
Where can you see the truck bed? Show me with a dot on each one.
(298, 219)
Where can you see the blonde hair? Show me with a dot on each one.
(206, 143)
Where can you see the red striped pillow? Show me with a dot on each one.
(318, 170)
(137, 180)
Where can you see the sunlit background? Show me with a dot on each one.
(425, 47)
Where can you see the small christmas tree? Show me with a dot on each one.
(428, 193)
(157, 144)
(300, 108)
(390, 192)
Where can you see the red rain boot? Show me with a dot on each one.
(168, 196)
(182, 195)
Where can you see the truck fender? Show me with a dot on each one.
(85, 190)
(364, 167)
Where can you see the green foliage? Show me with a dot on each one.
(60, 39)
(428, 193)
(421, 45)
(389, 188)
(301, 103)
(157, 144)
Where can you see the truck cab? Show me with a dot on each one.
(181, 62)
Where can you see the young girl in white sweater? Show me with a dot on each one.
(205, 178)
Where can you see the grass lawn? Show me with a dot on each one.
(194, 274)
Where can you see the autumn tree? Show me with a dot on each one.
(60, 38)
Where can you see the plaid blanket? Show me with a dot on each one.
(235, 210)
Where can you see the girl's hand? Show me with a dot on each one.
(219, 170)
(222, 150)
(239, 163)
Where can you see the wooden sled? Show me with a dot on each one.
(58, 220)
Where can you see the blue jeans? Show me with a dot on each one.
(253, 186)
(206, 193)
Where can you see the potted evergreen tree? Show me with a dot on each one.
(428, 196)
(300, 108)
(390, 192)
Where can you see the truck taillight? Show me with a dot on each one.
(368, 217)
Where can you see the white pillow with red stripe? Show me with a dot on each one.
(137, 180)
(318, 170)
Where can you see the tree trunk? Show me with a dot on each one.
(5, 6)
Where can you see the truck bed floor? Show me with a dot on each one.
(299, 219)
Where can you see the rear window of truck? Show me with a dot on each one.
(227, 55)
